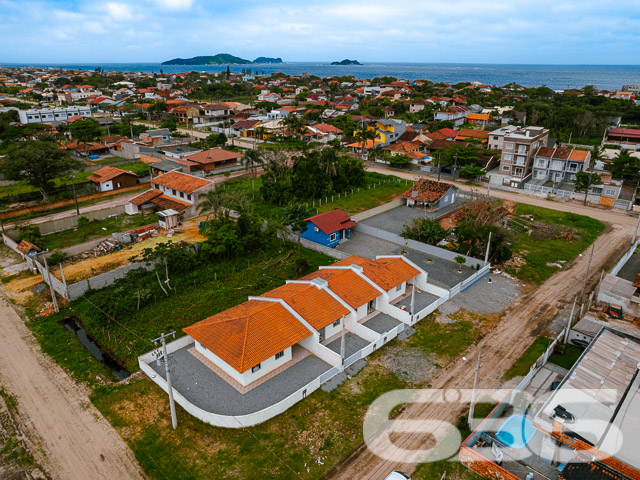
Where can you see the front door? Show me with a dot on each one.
(322, 334)
(371, 306)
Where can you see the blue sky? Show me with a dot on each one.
(456, 31)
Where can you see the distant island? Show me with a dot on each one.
(267, 60)
(346, 61)
(220, 59)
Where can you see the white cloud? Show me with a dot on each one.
(174, 4)
(119, 11)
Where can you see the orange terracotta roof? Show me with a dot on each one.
(145, 197)
(313, 304)
(249, 333)
(347, 285)
(387, 273)
(429, 191)
(25, 247)
(180, 181)
(165, 202)
(107, 173)
(478, 116)
(213, 155)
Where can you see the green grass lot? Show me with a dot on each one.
(540, 252)
(107, 160)
(521, 367)
(379, 189)
(11, 191)
(94, 229)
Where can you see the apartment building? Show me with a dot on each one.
(45, 115)
(496, 137)
(519, 148)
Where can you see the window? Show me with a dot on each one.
(333, 237)
(118, 185)
(336, 323)
(505, 167)
(496, 138)
(508, 146)
(398, 288)
(188, 196)
(507, 157)
(256, 368)
(173, 190)
(609, 192)
(279, 355)
(181, 195)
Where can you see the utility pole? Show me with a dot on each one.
(586, 275)
(473, 392)
(75, 197)
(165, 357)
(486, 255)
(342, 345)
(566, 334)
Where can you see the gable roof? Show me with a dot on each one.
(387, 273)
(562, 154)
(107, 173)
(145, 197)
(345, 283)
(313, 304)
(468, 133)
(448, 132)
(25, 247)
(181, 182)
(333, 221)
(248, 334)
(428, 191)
(213, 155)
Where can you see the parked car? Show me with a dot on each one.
(395, 475)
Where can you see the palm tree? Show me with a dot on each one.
(252, 160)
(329, 160)
(293, 123)
(363, 135)
(295, 215)
(212, 203)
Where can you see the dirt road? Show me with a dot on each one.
(78, 442)
(524, 320)
(602, 214)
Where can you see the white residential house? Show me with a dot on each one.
(44, 115)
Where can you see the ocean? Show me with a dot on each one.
(557, 77)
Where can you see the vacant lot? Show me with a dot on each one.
(378, 189)
(555, 239)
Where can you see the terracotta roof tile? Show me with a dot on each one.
(213, 155)
(387, 273)
(145, 197)
(429, 191)
(347, 285)
(313, 304)
(181, 182)
(107, 173)
(249, 333)
(25, 247)
(166, 203)
(333, 221)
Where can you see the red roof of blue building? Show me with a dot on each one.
(332, 221)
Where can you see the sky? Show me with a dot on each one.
(453, 31)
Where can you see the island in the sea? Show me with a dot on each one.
(346, 61)
(267, 60)
(220, 59)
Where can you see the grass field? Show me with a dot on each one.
(521, 367)
(379, 189)
(539, 252)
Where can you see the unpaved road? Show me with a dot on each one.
(78, 441)
(524, 320)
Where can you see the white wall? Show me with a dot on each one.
(393, 293)
(247, 377)
(105, 186)
(330, 330)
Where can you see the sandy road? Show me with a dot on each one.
(78, 441)
(525, 319)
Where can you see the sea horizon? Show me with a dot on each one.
(554, 76)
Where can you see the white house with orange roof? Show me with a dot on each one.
(259, 336)
(174, 190)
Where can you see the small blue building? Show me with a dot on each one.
(329, 228)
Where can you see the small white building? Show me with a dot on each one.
(45, 115)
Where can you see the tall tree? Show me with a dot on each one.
(584, 180)
(85, 131)
(295, 215)
(625, 166)
(329, 161)
(38, 163)
(252, 160)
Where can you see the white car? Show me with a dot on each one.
(395, 475)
